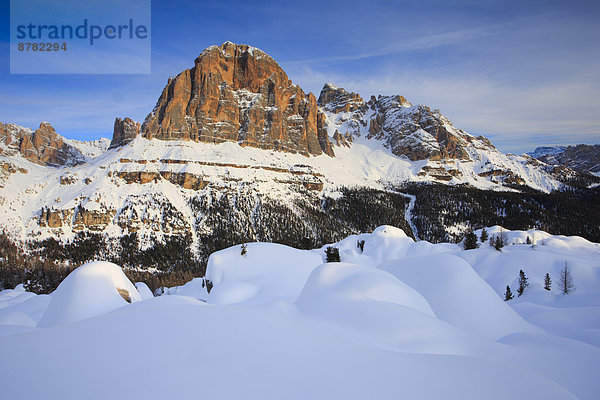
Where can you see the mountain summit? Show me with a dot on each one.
(240, 94)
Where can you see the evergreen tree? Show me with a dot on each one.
(244, 249)
(332, 254)
(470, 241)
(565, 280)
(522, 283)
(361, 245)
(496, 242)
(508, 294)
(499, 240)
(484, 236)
(547, 282)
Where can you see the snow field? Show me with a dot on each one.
(399, 319)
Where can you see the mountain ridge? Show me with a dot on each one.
(582, 158)
(333, 166)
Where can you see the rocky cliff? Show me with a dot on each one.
(42, 146)
(582, 158)
(239, 93)
(125, 131)
(337, 100)
(415, 132)
(185, 174)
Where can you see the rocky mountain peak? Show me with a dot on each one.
(581, 158)
(337, 100)
(43, 146)
(238, 93)
(418, 132)
(125, 131)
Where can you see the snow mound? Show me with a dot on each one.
(144, 290)
(458, 295)
(277, 272)
(365, 303)
(343, 281)
(384, 243)
(195, 288)
(14, 296)
(232, 292)
(91, 290)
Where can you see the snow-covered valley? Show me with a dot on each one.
(395, 319)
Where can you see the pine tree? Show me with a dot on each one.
(470, 241)
(547, 282)
(508, 294)
(244, 249)
(361, 245)
(522, 283)
(484, 236)
(332, 254)
(565, 280)
(497, 242)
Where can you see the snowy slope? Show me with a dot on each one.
(112, 182)
(399, 319)
(147, 186)
(546, 150)
(90, 148)
(401, 136)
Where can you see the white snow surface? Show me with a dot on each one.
(90, 148)
(90, 290)
(401, 319)
(95, 185)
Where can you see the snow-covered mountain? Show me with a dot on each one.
(90, 148)
(541, 151)
(582, 158)
(42, 146)
(234, 145)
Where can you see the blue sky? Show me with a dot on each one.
(523, 73)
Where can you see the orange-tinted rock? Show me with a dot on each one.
(125, 131)
(238, 93)
(92, 219)
(42, 146)
(54, 218)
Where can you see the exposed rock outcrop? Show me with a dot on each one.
(419, 133)
(581, 158)
(337, 100)
(239, 93)
(42, 146)
(125, 131)
(54, 218)
(94, 220)
(183, 179)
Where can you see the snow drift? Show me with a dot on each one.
(397, 318)
(91, 290)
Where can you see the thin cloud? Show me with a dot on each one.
(418, 43)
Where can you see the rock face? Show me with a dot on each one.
(239, 93)
(125, 131)
(337, 100)
(42, 146)
(417, 132)
(582, 158)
